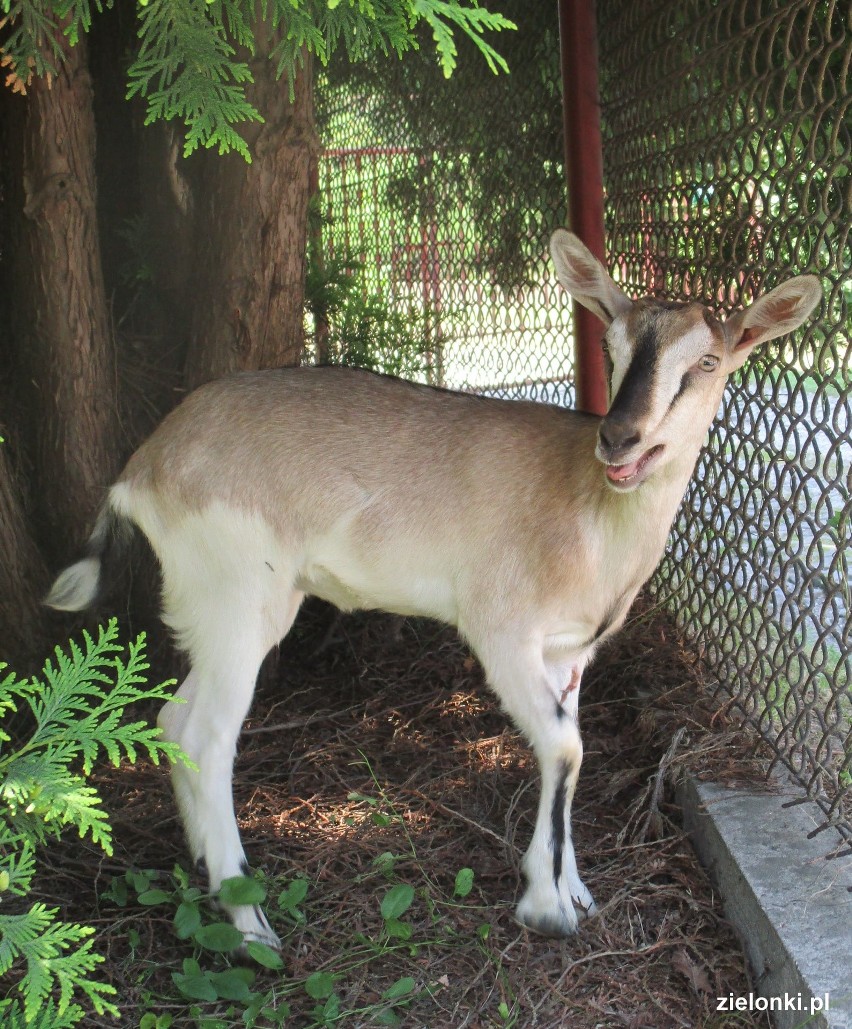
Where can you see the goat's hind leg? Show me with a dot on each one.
(206, 728)
(218, 692)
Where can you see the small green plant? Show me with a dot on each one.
(195, 922)
(394, 904)
(365, 334)
(352, 327)
(388, 953)
(207, 976)
(75, 710)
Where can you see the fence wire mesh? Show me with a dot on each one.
(727, 150)
(445, 192)
(727, 168)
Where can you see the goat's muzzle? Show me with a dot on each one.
(620, 449)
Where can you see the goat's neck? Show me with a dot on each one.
(649, 510)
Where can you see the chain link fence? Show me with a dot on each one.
(727, 168)
(445, 193)
(727, 152)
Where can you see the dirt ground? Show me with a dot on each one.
(376, 739)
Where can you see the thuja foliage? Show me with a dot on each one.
(188, 65)
(73, 715)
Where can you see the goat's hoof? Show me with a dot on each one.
(552, 914)
(551, 923)
(266, 937)
(253, 924)
(547, 917)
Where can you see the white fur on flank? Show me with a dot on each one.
(529, 528)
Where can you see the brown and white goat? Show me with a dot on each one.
(529, 527)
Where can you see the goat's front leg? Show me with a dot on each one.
(542, 699)
(556, 897)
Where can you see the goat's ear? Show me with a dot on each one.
(773, 315)
(585, 278)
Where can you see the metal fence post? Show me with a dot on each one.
(584, 168)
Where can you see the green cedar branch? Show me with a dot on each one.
(187, 66)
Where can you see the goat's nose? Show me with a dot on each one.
(618, 435)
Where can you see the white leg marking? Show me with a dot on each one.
(228, 596)
(542, 699)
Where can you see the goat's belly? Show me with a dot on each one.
(397, 591)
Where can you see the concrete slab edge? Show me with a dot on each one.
(791, 907)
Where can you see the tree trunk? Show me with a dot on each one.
(58, 308)
(168, 201)
(22, 577)
(248, 294)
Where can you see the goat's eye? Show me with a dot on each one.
(605, 346)
(708, 363)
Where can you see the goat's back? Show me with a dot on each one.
(309, 443)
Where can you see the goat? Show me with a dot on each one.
(528, 527)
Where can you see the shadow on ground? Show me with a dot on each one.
(376, 737)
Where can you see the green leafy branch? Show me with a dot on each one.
(187, 66)
(76, 708)
(34, 46)
(473, 21)
(58, 955)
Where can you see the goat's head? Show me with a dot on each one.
(667, 362)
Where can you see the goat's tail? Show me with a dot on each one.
(82, 584)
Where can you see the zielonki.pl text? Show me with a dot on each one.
(786, 1002)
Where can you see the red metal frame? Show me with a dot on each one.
(584, 168)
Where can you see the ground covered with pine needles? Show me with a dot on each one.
(374, 757)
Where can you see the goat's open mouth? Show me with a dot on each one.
(624, 476)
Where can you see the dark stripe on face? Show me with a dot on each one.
(685, 383)
(557, 818)
(633, 397)
(634, 393)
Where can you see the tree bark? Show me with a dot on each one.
(169, 201)
(23, 577)
(250, 243)
(59, 312)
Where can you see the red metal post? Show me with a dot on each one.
(584, 168)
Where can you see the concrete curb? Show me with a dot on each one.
(790, 906)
